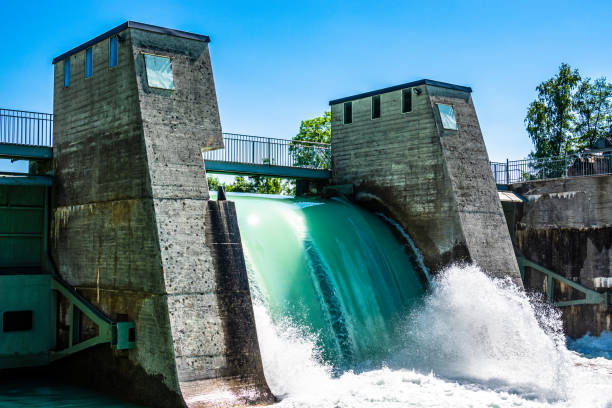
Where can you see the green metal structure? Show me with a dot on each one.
(591, 297)
(31, 292)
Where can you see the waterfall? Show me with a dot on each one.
(343, 320)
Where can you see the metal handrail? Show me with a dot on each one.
(571, 165)
(26, 128)
(273, 140)
(257, 150)
(36, 129)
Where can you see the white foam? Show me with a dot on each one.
(474, 342)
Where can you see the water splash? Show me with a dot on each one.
(326, 275)
(475, 342)
(487, 331)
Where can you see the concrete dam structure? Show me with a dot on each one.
(415, 151)
(564, 228)
(116, 256)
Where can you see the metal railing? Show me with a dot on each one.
(36, 129)
(573, 165)
(26, 128)
(258, 150)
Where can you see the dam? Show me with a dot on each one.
(117, 256)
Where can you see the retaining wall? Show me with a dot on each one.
(566, 226)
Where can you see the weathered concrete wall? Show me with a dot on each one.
(130, 227)
(436, 183)
(239, 379)
(566, 226)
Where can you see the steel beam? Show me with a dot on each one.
(25, 152)
(25, 180)
(266, 170)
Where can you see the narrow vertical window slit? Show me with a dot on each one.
(376, 106)
(348, 112)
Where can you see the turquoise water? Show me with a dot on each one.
(331, 268)
(45, 393)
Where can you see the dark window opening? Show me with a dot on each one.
(131, 335)
(406, 100)
(113, 48)
(122, 317)
(376, 106)
(88, 63)
(67, 72)
(348, 112)
(17, 321)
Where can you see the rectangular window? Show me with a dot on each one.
(88, 63)
(112, 51)
(447, 116)
(67, 72)
(376, 106)
(17, 321)
(348, 112)
(406, 100)
(159, 71)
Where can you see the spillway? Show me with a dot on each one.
(345, 318)
(331, 268)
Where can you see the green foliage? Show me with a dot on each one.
(255, 184)
(315, 130)
(213, 183)
(241, 185)
(593, 108)
(549, 118)
(569, 114)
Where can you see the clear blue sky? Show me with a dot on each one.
(278, 62)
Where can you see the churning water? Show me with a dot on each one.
(343, 321)
(330, 268)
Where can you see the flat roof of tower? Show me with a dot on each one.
(132, 24)
(402, 86)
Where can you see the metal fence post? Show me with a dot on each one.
(507, 171)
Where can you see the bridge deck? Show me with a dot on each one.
(265, 170)
(24, 152)
(263, 156)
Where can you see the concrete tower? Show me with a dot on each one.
(133, 230)
(416, 152)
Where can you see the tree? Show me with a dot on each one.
(550, 119)
(593, 107)
(240, 185)
(213, 183)
(254, 184)
(316, 130)
(266, 185)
